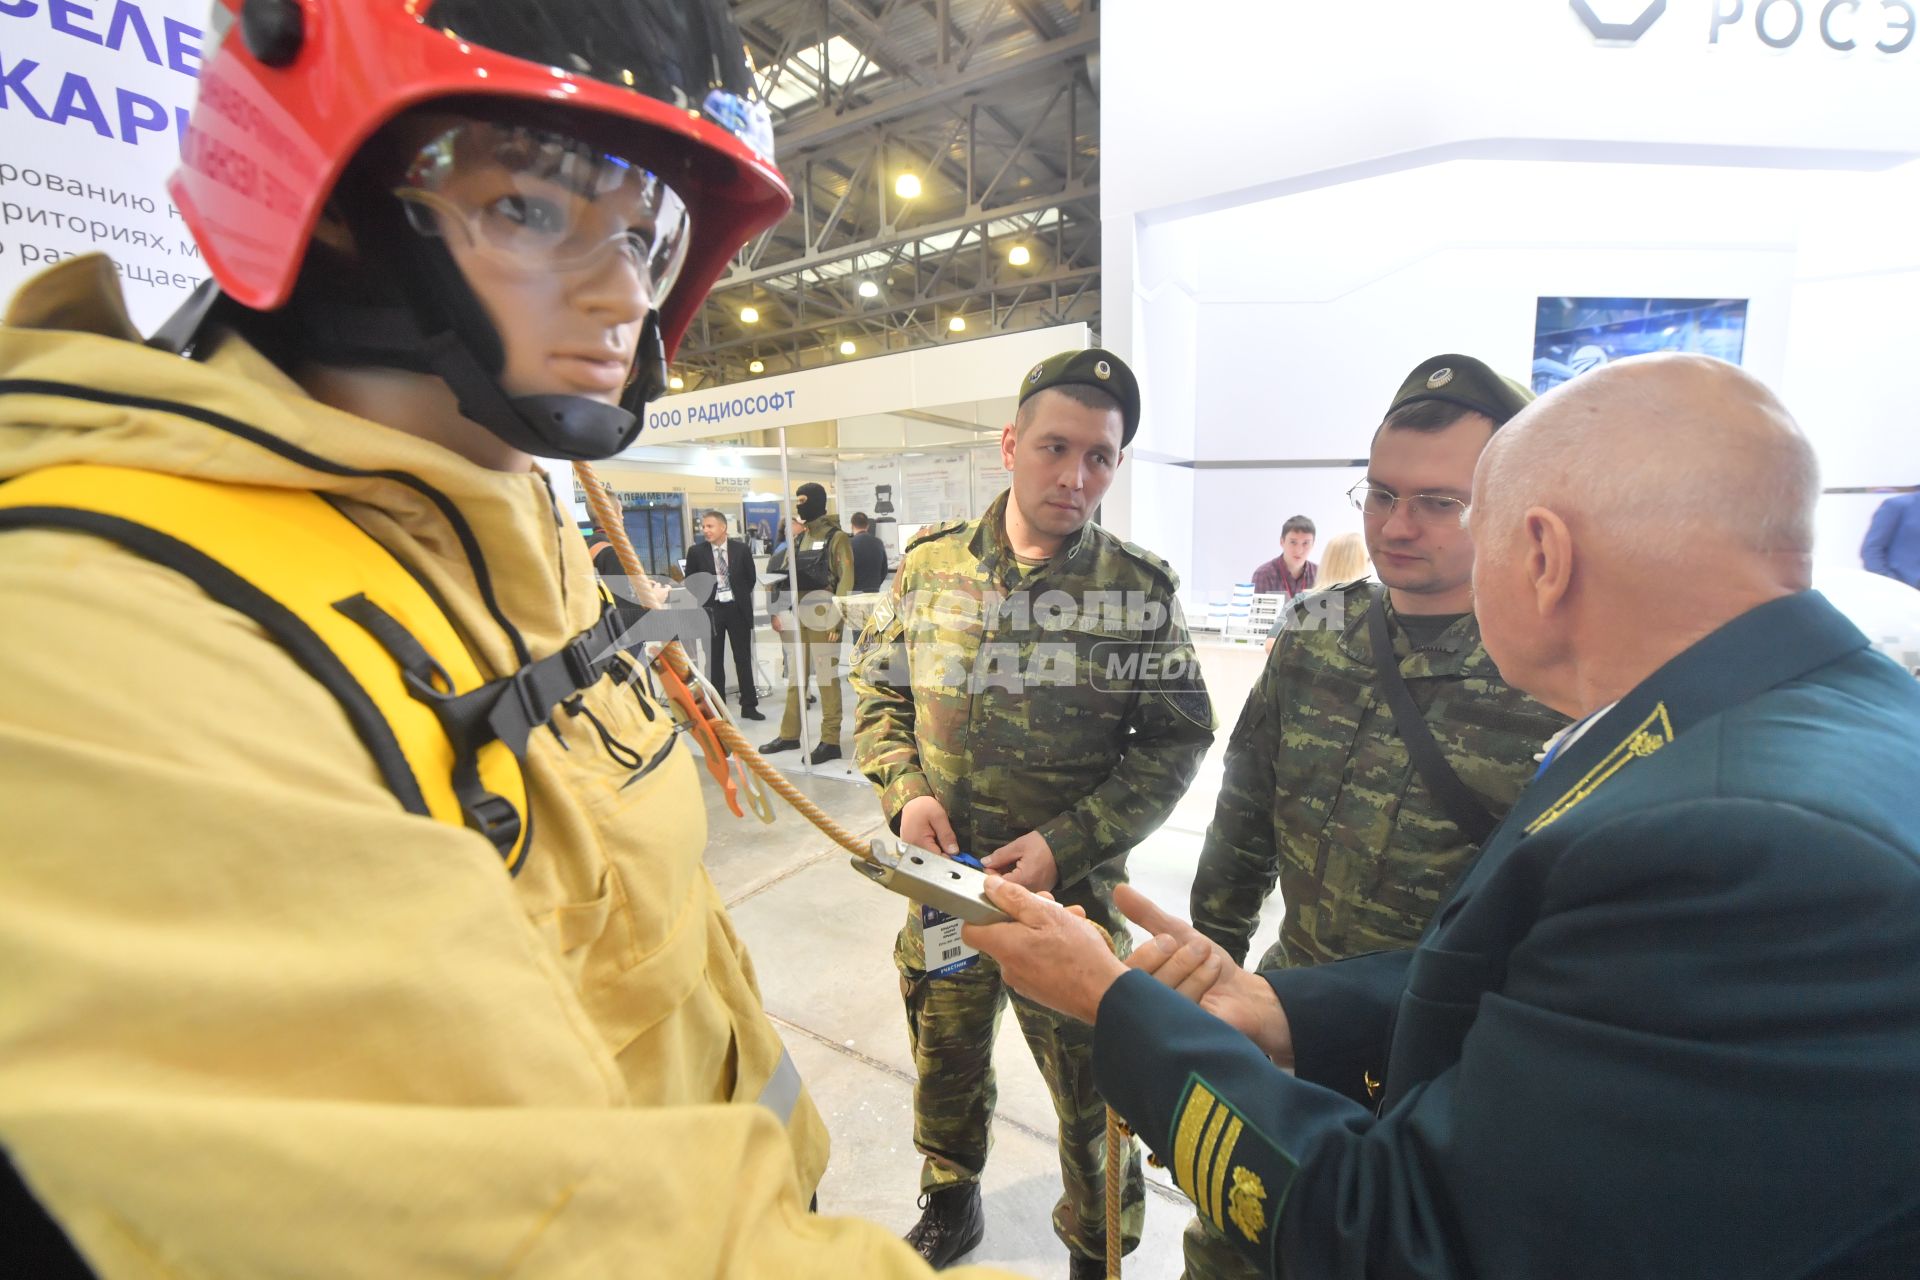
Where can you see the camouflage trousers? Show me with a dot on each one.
(951, 1023)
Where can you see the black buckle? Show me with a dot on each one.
(579, 660)
(494, 817)
(514, 729)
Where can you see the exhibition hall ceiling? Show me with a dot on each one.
(944, 159)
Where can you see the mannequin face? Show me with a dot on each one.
(566, 247)
(565, 333)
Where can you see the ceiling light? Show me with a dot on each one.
(868, 289)
(958, 324)
(749, 315)
(1019, 256)
(906, 186)
(847, 347)
(756, 366)
(677, 383)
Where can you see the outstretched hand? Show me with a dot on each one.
(1185, 959)
(1048, 953)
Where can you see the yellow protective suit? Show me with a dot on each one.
(259, 1021)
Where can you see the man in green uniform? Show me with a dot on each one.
(823, 561)
(1027, 692)
(1321, 790)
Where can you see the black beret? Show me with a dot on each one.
(1462, 380)
(1095, 368)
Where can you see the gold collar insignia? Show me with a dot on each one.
(1651, 734)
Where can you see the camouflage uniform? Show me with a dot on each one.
(990, 688)
(819, 620)
(1320, 794)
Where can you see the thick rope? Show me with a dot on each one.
(606, 514)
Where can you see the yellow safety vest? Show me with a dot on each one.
(446, 740)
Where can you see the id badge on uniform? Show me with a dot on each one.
(945, 954)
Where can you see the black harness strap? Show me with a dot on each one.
(1461, 805)
(507, 710)
(487, 812)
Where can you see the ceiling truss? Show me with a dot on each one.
(991, 105)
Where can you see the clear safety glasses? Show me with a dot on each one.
(542, 202)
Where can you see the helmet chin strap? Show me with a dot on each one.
(577, 428)
(458, 342)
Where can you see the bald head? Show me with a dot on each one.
(1623, 516)
(1677, 459)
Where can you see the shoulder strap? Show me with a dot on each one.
(1429, 761)
(335, 599)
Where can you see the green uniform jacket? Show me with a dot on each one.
(1320, 793)
(1666, 1026)
(1068, 703)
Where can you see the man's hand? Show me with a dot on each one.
(923, 821)
(773, 620)
(1047, 952)
(1028, 862)
(1198, 968)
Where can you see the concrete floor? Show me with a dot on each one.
(821, 940)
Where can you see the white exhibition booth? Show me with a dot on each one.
(911, 439)
(1302, 200)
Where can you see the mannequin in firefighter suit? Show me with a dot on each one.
(264, 1016)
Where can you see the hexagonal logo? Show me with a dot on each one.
(1619, 21)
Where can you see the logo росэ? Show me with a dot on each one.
(1623, 20)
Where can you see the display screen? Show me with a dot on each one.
(1573, 335)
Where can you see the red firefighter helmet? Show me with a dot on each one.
(292, 91)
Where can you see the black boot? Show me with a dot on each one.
(824, 752)
(1079, 1268)
(779, 744)
(951, 1222)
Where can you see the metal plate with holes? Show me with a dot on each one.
(941, 883)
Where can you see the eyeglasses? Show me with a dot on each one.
(541, 202)
(1427, 508)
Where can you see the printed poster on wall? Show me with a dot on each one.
(761, 524)
(94, 100)
(990, 479)
(938, 487)
(872, 486)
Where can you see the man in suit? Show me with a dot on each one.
(727, 593)
(1668, 1024)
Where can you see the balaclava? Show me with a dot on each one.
(811, 502)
